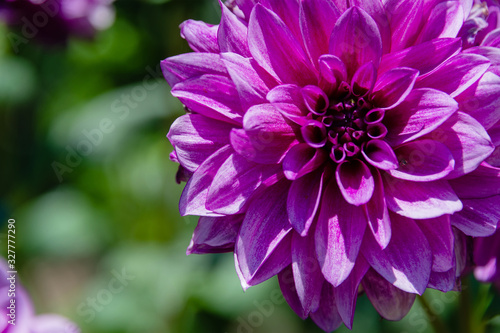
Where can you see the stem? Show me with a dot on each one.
(434, 319)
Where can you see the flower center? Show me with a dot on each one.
(341, 125)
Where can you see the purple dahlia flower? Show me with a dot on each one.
(482, 27)
(53, 21)
(321, 141)
(20, 317)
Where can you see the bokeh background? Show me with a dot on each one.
(85, 172)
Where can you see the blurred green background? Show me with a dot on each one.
(85, 172)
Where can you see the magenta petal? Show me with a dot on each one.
(262, 248)
(443, 281)
(287, 93)
(317, 18)
(364, 79)
(492, 39)
(467, 140)
(445, 20)
(251, 89)
(196, 137)
(405, 18)
(213, 96)
(480, 183)
(456, 74)
(356, 40)
(379, 154)
(275, 48)
(303, 201)
(289, 290)
(423, 111)
(338, 235)
(229, 197)
(288, 12)
(393, 87)
(306, 272)
(302, 159)
(487, 257)
(215, 234)
(377, 214)
(406, 262)
(232, 33)
(246, 7)
(327, 316)
(375, 8)
(355, 181)
(194, 195)
(201, 36)
(479, 218)
(441, 240)
(390, 302)
(346, 293)
(481, 100)
(423, 160)
(267, 137)
(315, 99)
(332, 73)
(186, 66)
(420, 200)
(417, 56)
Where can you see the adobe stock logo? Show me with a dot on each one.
(93, 305)
(31, 25)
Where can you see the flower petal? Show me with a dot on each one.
(251, 89)
(377, 214)
(443, 281)
(355, 182)
(289, 290)
(424, 57)
(338, 235)
(375, 8)
(262, 248)
(196, 137)
(194, 195)
(211, 95)
(420, 200)
(405, 18)
(486, 257)
(456, 74)
(235, 182)
(190, 65)
(441, 240)
(346, 293)
(275, 48)
(467, 140)
(215, 234)
(232, 33)
(393, 87)
(479, 218)
(445, 20)
(267, 137)
(327, 316)
(492, 39)
(406, 262)
(480, 183)
(201, 36)
(481, 100)
(302, 159)
(379, 154)
(390, 302)
(356, 40)
(306, 272)
(303, 201)
(423, 160)
(363, 80)
(423, 111)
(317, 19)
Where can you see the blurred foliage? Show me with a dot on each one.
(85, 173)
